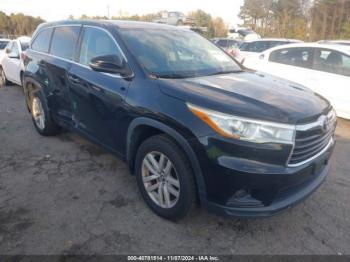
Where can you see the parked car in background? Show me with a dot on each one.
(3, 44)
(191, 124)
(231, 46)
(335, 42)
(323, 68)
(243, 34)
(11, 61)
(174, 18)
(252, 49)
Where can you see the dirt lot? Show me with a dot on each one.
(63, 195)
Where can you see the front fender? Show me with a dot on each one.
(144, 121)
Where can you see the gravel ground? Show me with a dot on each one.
(64, 195)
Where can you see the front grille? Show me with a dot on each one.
(311, 141)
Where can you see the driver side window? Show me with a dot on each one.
(96, 42)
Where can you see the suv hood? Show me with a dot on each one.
(252, 95)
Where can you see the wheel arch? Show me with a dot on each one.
(157, 127)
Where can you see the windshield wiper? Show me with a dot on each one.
(226, 72)
(172, 76)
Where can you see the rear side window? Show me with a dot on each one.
(64, 41)
(300, 57)
(42, 42)
(97, 42)
(331, 61)
(222, 43)
(255, 47)
(3, 44)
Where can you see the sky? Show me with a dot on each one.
(60, 9)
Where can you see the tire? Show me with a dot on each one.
(38, 108)
(3, 80)
(179, 23)
(177, 207)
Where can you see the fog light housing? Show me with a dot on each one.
(243, 198)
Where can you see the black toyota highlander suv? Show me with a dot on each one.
(191, 124)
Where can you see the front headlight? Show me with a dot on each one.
(244, 128)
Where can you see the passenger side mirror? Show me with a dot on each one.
(110, 64)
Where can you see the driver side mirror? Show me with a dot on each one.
(7, 50)
(110, 64)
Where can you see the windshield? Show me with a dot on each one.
(3, 44)
(177, 53)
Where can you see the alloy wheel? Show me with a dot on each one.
(160, 179)
(38, 113)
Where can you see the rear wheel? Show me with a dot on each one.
(4, 81)
(41, 116)
(179, 23)
(165, 179)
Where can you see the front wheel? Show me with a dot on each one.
(165, 178)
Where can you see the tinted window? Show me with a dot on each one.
(300, 57)
(233, 43)
(42, 42)
(257, 47)
(331, 61)
(222, 43)
(3, 44)
(24, 46)
(64, 41)
(277, 43)
(97, 42)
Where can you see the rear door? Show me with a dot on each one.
(98, 98)
(62, 50)
(330, 77)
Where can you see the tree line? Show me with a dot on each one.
(216, 26)
(302, 19)
(18, 24)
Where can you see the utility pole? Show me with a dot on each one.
(108, 11)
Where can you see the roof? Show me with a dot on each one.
(116, 23)
(341, 48)
(5, 39)
(274, 39)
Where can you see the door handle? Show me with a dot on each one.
(96, 88)
(74, 79)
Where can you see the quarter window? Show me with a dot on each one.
(96, 43)
(64, 41)
(42, 42)
(331, 61)
(300, 57)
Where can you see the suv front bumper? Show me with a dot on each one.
(242, 191)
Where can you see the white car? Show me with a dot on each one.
(11, 61)
(3, 44)
(253, 48)
(323, 68)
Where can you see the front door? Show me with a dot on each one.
(98, 98)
